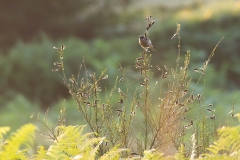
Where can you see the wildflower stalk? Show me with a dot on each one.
(146, 97)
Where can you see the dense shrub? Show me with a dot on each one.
(27, 67)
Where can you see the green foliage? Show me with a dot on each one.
(36, 60)
(228, 141)
(70, 143)
(161, 116)
(58, 20)
(27, 66)
(113, 154)
(180, 155)
(165, 95)
(152, 155)
(3, 131)
(227, 146)
(18, 144)
(16, 112)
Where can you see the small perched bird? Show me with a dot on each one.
(145, 42)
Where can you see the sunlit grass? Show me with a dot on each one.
(208, 10)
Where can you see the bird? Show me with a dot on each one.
(145, 42)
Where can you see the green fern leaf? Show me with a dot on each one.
(180, 154)
(152, 155)
(227, 144)
(19, 143)
(113, 154)
(3, 131)
(71, 144)
(41, 154)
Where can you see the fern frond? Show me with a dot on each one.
(99, 141)
(41, 154)
(180, 154)
(56, 152)
(113, 154)
(3, 131)
(71, 144)
(19, 143)
(231, 134)
(153, 155)
(227, 144)
(219, 157)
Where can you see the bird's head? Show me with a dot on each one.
(141, 37)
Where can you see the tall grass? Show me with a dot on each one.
(163, 105)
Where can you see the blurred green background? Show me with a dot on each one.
(105, 33)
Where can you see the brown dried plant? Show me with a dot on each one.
(162, 115)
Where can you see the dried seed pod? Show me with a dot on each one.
(146, 79)
(188, 126)
(121, 79)
(138, 104)
(191, 122)
(182, 133)
(174, 35)
(121, 101)
(159, 68)
(199, 97)
(103, 106)
(57, 64)
(231, 113)
(57, 49)
(99, 89)
(55, 69)
(192, 97)
(138, 65)
(91, 75)
(164, 76)
(212, 117)
(166, 67)
(150, 25)
(199, 70)
(186, 110)
(208, 109)
(118, 110)
(141, 70)
(87, 103)
(63, 47)
(133, 113)
(148, 17)
(119, 90)
(105, 77)
(72, 80)
(95, 101)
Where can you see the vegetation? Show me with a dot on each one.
(199, 33)
(68, 142)
(151, 105)
(163, 110)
